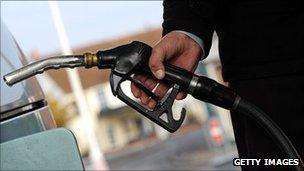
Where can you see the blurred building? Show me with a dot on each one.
(119, 125)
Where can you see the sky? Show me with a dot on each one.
(85, 22)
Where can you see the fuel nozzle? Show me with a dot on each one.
(87, 60)
(104, 59)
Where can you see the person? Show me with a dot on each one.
(261, 46)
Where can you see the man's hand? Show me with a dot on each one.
(175, 48)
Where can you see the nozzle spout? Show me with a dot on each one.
(69, 61)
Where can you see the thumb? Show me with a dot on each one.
(156, 62)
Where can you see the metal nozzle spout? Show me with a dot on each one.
(38, 67)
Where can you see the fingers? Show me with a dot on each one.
(156, 62)
(161, 90)
(150, 84)
(138, 93)
(135, 90)
(175, 48)
(151, 104)
(168, 47)
(181, 96)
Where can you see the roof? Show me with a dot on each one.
(93, 76)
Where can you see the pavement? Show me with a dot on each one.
(184, 152)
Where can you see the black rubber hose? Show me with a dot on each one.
(271, 128)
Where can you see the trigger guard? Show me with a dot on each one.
(166, 107)
(115, 81)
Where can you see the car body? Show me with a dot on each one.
(24, 110)
(29, 139)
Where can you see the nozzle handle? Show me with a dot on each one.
(134, 57)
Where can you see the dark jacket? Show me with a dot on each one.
(257, 38)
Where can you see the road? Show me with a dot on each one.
(186, 152)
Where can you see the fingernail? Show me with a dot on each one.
(160, 74)
(181, 96)
(151, 104)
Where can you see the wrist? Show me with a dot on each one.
(195, 38)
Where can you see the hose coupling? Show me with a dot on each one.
(90, 60)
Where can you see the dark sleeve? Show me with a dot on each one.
(193, 16)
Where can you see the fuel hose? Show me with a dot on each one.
(208, 90)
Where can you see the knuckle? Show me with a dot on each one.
(152, 63)
(150, 84)
(145, 100)
(156, 56)
(160, 91)
(151, 104)
(133, 88)
(156, 52)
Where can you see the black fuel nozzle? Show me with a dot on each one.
(133, 58)
(124, 58)
(127, 60)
